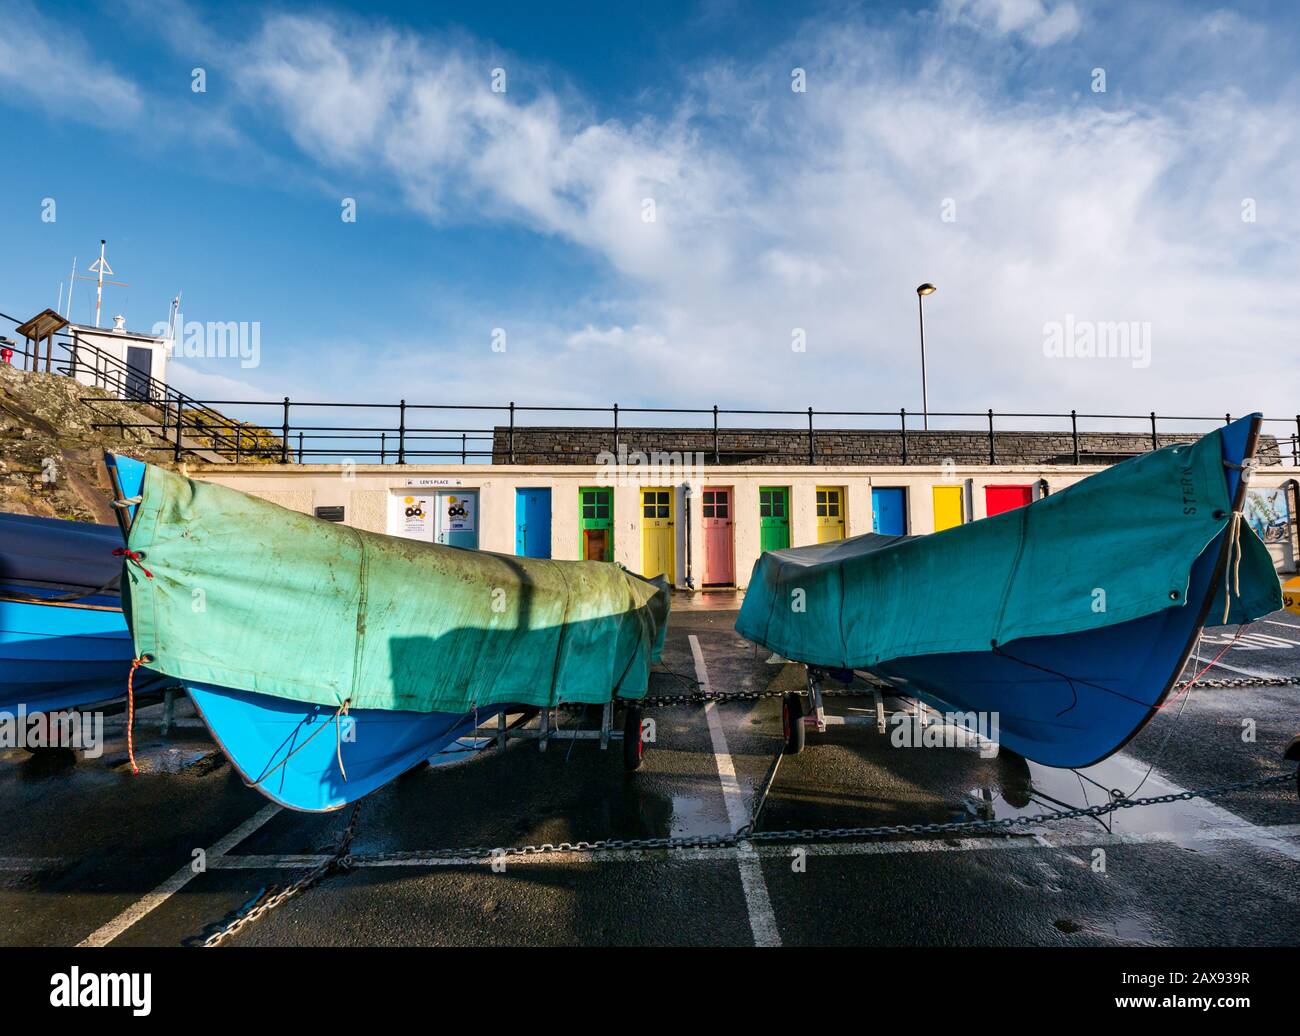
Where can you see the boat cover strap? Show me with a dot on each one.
(1114, 547)
(250, 595)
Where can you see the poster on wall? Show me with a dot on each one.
(1269, 513)
(460, 513)
(415, 515)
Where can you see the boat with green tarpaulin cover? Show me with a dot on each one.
(327, 660)
(1075, 615)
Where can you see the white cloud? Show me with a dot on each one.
(822, 211)
(1034, 20)
(41, 60)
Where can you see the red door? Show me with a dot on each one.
(719, 569)
(1006, 498)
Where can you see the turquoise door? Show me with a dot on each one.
(533, 523)
(457, 514)
(889, 511)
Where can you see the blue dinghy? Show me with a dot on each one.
(1070, 619)
(63, 639)
(326, 661)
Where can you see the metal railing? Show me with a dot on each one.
(290, 431)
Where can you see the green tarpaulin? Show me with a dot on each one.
(249, 595)
(1116, 546)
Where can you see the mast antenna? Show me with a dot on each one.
(100, 267)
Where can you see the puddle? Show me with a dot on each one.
(1022, 788)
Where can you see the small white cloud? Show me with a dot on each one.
(1033, 20)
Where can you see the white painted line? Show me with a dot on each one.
(258, 862)
(141, 908)
(1287, 625)
(31, 864)
(1236, 669)
(1220, 818)
(1054, 840)
(762, 921)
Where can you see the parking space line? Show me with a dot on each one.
(141, 908)
(1224, 819)
(762, 921)
(1053, 840)
(1288, 625)
(1234, 669)
(30, 864)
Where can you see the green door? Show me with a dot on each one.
(773, 517)
(596, 524)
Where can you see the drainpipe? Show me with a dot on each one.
(686, 507)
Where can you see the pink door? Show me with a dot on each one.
(719, 567)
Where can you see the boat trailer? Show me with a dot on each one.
(511, 724)
(799, 712)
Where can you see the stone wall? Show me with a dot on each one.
(582, 445)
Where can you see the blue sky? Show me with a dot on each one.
(959, 141)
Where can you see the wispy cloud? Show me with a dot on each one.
(40, 60)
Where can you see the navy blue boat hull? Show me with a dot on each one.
(1074, 699)
(59, 653)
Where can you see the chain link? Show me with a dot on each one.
(338, 860)
(342, 859)
(818, 834)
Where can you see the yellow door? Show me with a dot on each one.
(830, 513)
(949, 507)
(657, 533)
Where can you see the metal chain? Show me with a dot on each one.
(700, 698)
(815, 835)
(338, 860)
(1251, 681)
(342, 859)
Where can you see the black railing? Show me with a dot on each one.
(401, 433)
(186, 426)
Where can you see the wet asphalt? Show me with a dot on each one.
(92, 852)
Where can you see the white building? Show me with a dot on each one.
(128, 363)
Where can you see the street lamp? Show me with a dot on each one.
(921, 292)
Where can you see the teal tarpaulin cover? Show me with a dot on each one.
(1116, 546)
(249, 595)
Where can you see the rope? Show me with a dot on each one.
(338, 745)
(1234, 544)
(338, 736)
(136, 663)
(135, 556)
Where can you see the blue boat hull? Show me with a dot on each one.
(63, 639)
(56, 656)
(291, 751)
(1072, 700)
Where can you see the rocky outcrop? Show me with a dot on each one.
(52, 445)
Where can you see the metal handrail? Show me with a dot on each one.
(182, 416)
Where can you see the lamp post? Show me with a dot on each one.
(921, 292)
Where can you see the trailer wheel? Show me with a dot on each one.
(792, 726)
(633, 746)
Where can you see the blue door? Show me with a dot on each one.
(889, 511)
(533, 523)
